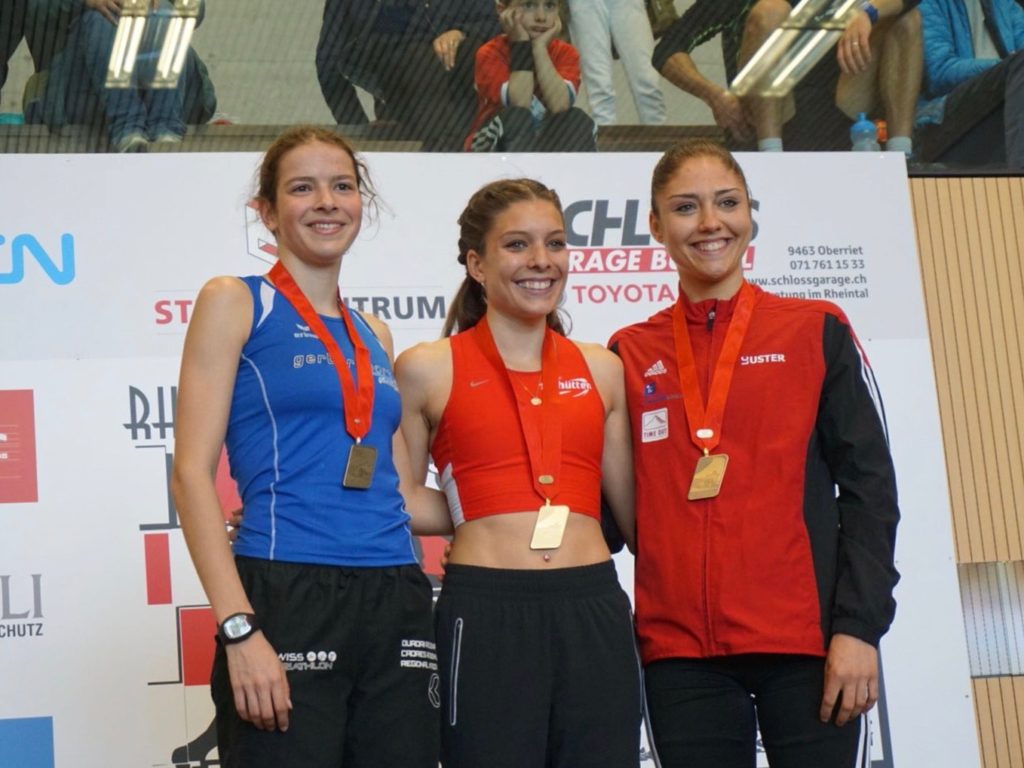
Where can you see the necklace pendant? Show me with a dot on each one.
(535, 400)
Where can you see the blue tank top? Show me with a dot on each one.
(287, 446)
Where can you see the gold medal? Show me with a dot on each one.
(707, 477)
(550, 527)
(362, 459)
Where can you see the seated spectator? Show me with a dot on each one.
(414, 56)
(76, 89)
(815, 122)
(595, 26)
(43, 24)
(879, 57)
(973, 102)
(526, 83)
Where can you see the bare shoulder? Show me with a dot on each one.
(225, 289)
(223, 303)
(601, 360)
(381, 331)
(423, 362)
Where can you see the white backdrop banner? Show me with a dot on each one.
(105, 638)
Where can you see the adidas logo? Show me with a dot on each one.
(658, 369)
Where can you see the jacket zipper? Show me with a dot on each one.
(708, 374)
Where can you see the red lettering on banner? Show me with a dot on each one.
(158, 569)
(173, 311)
(618, 260)
(627, 293)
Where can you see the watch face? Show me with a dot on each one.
(236, 626)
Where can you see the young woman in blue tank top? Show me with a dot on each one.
(535, 636)
(325, 650)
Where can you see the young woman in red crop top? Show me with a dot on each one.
(526, 429)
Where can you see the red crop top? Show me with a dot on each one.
(479, 448)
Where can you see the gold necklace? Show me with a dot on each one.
(535, 398)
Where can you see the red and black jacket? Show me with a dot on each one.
(798, 545)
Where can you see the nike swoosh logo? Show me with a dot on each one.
(475, 384)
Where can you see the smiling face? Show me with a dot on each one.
(702, 217)
(524, 261)
(317, 210)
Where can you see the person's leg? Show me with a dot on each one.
(767, 114)
(590, 27)
(568, 131)
(701, 715)
(1013, 113)
(46, 29)
(899, 82)
(338, 92)
(496, 670)
(437, 105)
(511, 130)
(631, 32)
(967, 112)
(310, 617)
(12, 27)
(893, 76)
(595, 721)
(123, 107)
(165, 110)
(788, 694)
(394, 710)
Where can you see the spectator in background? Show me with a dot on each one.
(76, 89)
(43, 24)
(526, 83)
(879, 58)
(703, 21)
(595, 26)
(973, 101)
(414, 56)
(815, 123)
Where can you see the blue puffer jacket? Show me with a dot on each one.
(949, 52)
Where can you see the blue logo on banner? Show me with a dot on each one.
(22, 244)
(27, 742)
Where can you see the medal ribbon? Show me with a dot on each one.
(357, 401)
(698, 418)
(541, 424)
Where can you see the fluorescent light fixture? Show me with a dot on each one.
(789, 53)
(163, 35)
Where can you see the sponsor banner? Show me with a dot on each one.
(93, 551)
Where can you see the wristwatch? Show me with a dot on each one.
(871, 11)
(237, 627)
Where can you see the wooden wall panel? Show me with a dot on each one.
(999, 703)
(971, 239)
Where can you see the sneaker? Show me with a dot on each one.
(167, 138)
(133, 141)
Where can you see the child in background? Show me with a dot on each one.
(526, 82)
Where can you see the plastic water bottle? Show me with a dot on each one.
(864, 135)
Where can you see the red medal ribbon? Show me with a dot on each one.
(357, 402)
(543, 435)
(697, 417)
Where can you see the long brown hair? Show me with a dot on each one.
(475, 221)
